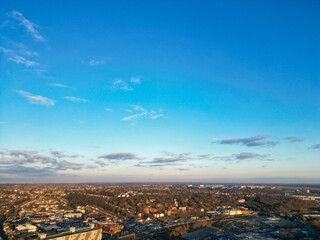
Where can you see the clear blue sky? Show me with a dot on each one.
(160, 91)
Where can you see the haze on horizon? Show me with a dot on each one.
(168, 91)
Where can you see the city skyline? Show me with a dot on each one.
(159, 92)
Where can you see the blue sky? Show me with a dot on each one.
(160, 91)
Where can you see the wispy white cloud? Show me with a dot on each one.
(156, 114)
(28, 25)
(95, 62)
(5, 50)
(20, 54)
(134, 116)
(140, 112)
(109, 109)
(122, 85)
(17, 48)
(30, 53)
(1, 123)
(76, 99)
(59, 85)
(22, 60)
(138, 108)
(36, 99)
(135, 80)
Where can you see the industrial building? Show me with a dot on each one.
(109, 228)
(88, 233)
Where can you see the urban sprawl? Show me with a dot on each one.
(159, 211)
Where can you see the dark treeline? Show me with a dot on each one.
(280, 204)
(76, 199)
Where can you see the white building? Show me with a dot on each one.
(89, 233)
(26, 227)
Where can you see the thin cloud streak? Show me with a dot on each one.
(248, 142)
(60, 85)
(243, 156)
(140, 112)
(248, 155)
(120, 156)
(36, 99)
(29, 26)
(76, 99)
(94, 62)
(22, 60)
(21, 57)
(294, 139)
(172, 159)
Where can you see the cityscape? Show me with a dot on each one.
(162, 119)
(159, 211)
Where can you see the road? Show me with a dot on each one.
(102, 211)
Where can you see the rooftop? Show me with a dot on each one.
(80, 230)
